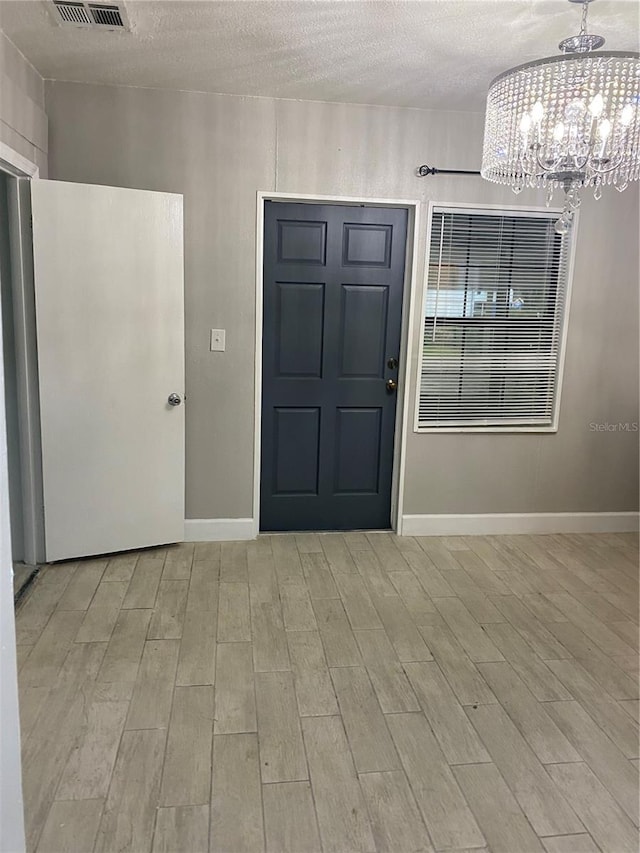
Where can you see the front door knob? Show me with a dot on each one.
(174, 399)
(391, 386)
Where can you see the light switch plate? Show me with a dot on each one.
(217, 340)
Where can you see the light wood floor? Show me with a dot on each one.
(335, 692)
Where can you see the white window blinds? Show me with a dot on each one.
(494, 314)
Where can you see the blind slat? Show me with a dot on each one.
(493, 318)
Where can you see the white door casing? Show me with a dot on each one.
(108, 269)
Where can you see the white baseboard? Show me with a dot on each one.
(219, 529)
(517, 522)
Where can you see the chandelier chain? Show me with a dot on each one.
(583, 24)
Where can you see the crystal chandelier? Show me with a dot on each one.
(567, 121)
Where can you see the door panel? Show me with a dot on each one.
(333, 282)
(108, 266)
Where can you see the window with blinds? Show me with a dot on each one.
(494, 315)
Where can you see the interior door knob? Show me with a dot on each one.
(174, 399)
(391, 386)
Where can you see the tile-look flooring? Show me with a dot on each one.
(338, 692)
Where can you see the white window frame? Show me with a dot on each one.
(542, 212)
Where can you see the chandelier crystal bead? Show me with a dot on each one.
(567, 121)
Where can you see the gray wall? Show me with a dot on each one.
(23, 123)
(219, 150)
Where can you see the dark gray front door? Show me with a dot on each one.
(333, 280)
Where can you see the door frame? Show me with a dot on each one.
(21, 171)
(409, 296)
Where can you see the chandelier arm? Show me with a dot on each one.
(610, 169)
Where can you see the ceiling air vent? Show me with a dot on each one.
(95, 16)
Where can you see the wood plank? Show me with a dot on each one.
(456, 736)
(599, 666)
(606, 712)
(386, 673)
(337, 554)
(442, 805)
(628, 631)
(102, 614)
(124, 652)
(236, 792)
(357, 602)
(534, 672)
(235, 708)
(130, 810)
(233, 562)
(203, 588)
(308, 543)
(168, 617)
(469, 634)
(367, 733)
(632, 707)
(529, 716)
(207, 552)
(317, 573)
(286, 559)
(537, 635)
(434, 583)
(49, 653)
(501, 820)
(87, 774)
(143, 589)
(82, 586)
(609, 764)
(395, 819)
(312, 682)
(404, 636)
(548, 812)
(31, 702)
(71, 826)
(151, 701)
(602, 817)
(582, 618)
(182, 828)
(260, 562)
(282, 757)
(601, 608)
(463, 676)
(178, 562)
(121, 567)
(270, 650)
(297, 611)
(383, 545)
(626, 604)
(186, 777)
(234, 622)
(56, 731)
(582, 843)
(542, 609)
(340, 646)
(374, 576)
(290, 818)
(356, 542)
(483, 576)
(437, 553)
(35, 610)
(197, 659)
(418, 604)
(340, 806)
(474, 599)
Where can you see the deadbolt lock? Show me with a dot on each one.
(392, 363)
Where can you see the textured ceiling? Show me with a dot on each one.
(410, 53)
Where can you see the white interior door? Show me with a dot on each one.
(108, 267)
